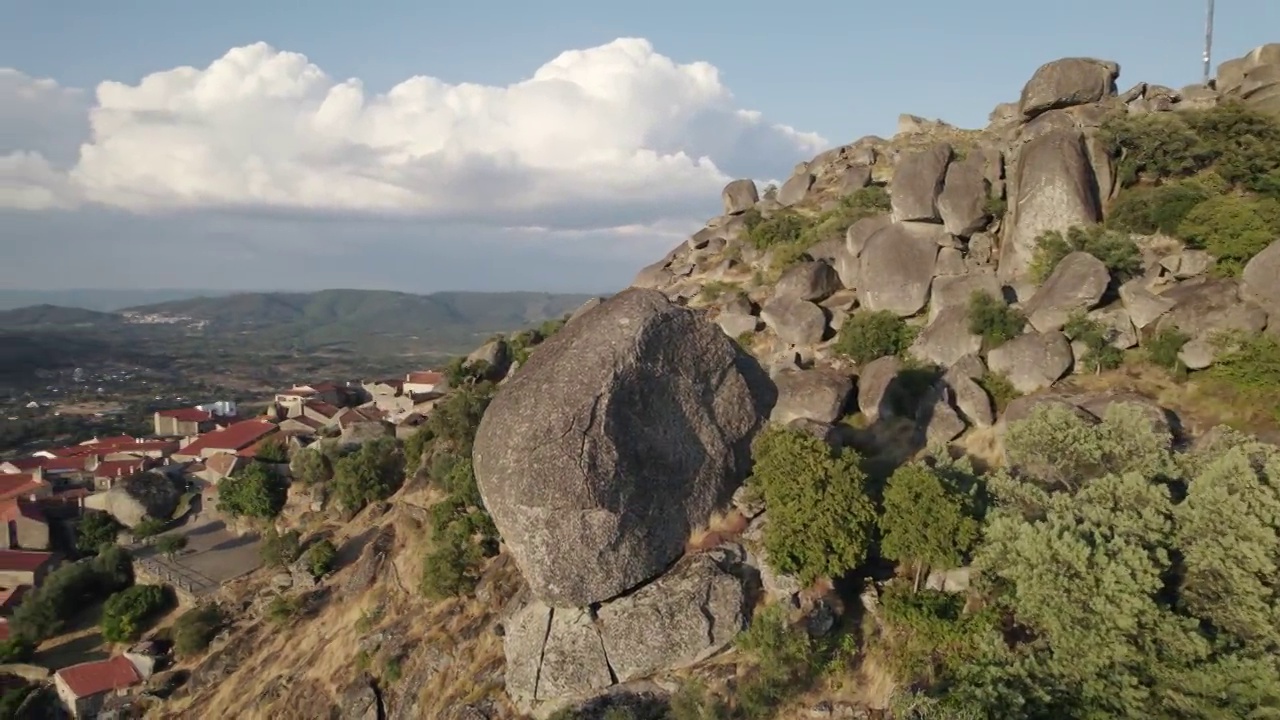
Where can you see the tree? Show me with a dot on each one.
(450, 568)
(171, 545)
(254, 492)
(148, 528)
(272, 450)
(125, 612)
(94, 530)
(312, 465)
(319, 558)
(820, 517)
(927, 521)
(369, 474)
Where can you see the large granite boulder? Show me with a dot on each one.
(896, 267)
(795, 321)
(622, 434)
(819, 394)
(963, 202)
(1066, 82)
(917, 182)
(947, 338)
(137, 498)
(1076, 284)
(813, 280)
(1033, 361)
(739, 196)
(1261, 280)
(1055, 189)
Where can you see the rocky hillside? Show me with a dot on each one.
(934, 429)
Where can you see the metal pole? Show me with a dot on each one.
(1208, 39)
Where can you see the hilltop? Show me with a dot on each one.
(959, 423)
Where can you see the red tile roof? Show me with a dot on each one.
(28, 560)
(322, 407)
(12, 486)
(145, 446)
(324, 387)
(119, 468)
(360, 415)
(64, 464)
(100, 676)
(236, 436)
(297, 392)
(187, 414)
(113, 440)
(425, 377)
(310, 422)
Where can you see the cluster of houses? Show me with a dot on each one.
(203, 444)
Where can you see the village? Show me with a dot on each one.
(46, 496)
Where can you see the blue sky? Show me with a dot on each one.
(837, 69)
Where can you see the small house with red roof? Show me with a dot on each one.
(24, 567)
(422, 382)
(108, 473)
(28, 486)
(231, 439)
(21, 465)
(25, 526)
(182, 422)
(85, 687)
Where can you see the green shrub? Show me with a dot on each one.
(928, 635)
(272, 450)
(1115, 249)
(1243, 143)
(1232, 228)
(125, 613)
(714, 290)
(283, 608)
(1155, 145)
(171, 545)
(451, 568)
(1100, 354)
(928, 522)
(820, 517)
(372, 473)
(256, 492)
(993, 319)
(1147, 210)
(996, 205)
(1248, 361)
(783, 228)
(196, 628)
(786, 661)
(312, 465)
(1164, 347)
(95, 530)
(320, 557)
(1000, 389)
(280, 549)
(867, 335)
(148, 528)
(788, 235)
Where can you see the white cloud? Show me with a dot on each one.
(612, 136)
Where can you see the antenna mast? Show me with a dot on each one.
(1208, 39)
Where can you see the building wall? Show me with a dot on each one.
(30, 533)
(14, 578)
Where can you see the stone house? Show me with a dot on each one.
(422, 382)
(183, 422)
(231, 439)
(24, 567)
(25, 526)
(85, 687)
(300, 425)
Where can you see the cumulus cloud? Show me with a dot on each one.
(611, 136)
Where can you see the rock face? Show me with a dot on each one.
(896, 267)
(617, 438)
(812, 280)
(1055, 189)
(818, 394)
(688, 614)
(1066, 82)
(148, 495)
(963, 201)
(1033, 361)
(917, 182)
(1261, 280)
(739, 196)
(797, 322)
(1077, 283)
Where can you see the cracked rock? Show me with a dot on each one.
(618, 438)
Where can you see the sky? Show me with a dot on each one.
(558, 145)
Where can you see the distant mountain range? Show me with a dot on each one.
(379, 321)
(100, 300)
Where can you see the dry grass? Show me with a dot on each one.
(721, 528)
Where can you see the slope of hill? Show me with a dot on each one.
(38, 316)
(447, 321)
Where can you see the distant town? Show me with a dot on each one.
(46, 495)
